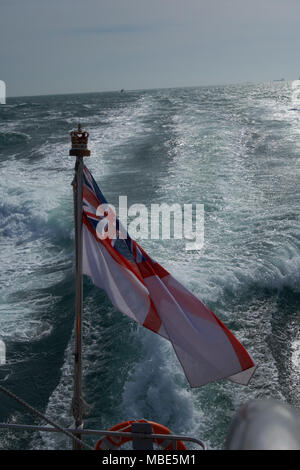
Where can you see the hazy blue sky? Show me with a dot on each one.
(66, 46)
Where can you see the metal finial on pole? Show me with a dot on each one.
(79, 140)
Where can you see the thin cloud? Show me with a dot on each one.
(115, 29)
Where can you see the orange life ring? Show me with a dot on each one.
(114, 442)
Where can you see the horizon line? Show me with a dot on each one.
(143, 89)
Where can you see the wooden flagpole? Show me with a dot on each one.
(79, 139)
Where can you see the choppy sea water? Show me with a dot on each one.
(235, 149)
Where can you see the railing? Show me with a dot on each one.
(75, 433)
(172, 437)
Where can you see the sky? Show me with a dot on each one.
(72, 46)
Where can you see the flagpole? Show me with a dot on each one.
(79, 139)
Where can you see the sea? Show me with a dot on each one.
(236, 150)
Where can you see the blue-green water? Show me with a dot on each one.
(236, 149)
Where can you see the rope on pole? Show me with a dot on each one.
(45, 418)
